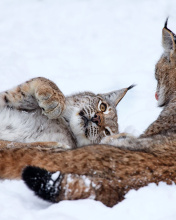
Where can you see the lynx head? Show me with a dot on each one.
(165, 73)
(92, 117)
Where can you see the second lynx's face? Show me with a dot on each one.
(165, 73)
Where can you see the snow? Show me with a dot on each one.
(55, 175)
(94, 45)
(151, 202)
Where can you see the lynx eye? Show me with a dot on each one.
(103, 107)
(107, 132)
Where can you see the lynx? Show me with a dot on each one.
(106, 172)
(37, 111)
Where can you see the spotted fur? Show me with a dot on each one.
(107, 172)
(164, 127)
(37, 111)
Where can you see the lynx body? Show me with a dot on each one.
(37, 111)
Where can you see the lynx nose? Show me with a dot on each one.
(156, 96)
(96, 119)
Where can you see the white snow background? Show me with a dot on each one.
(94, 45)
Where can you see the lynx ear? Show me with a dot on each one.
(116, 96)
(168, 39)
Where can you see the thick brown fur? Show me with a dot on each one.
(111, 171)
(25, 97)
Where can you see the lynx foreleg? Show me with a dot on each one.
(157, 143)
(111, 138)
(47, 146)
(35, 93)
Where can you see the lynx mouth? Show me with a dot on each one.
(86, 121)
(84, 118)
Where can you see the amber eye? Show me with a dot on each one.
(107, 132)
(103, 107)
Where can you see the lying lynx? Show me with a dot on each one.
(105, 172)
(37, 111)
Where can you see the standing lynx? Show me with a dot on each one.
(107, 172)
(37, 111)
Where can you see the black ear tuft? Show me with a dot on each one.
(168, 38)
(42, 182)
(130, 87)
(165, 25)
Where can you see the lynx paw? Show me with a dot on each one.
(61, 146)
(45, 184)
(110, 139)
(51, 102)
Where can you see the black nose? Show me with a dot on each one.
(96, 119)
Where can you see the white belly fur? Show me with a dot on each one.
(20, 126)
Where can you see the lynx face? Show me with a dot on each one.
(165, 73)
(94, 116)
(93, 119)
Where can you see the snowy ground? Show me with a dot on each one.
(96, 45)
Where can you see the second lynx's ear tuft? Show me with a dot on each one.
(45, 184)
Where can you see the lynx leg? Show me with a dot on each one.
(38, 145)
(35, 93)
(55, 187)
(109, 139)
